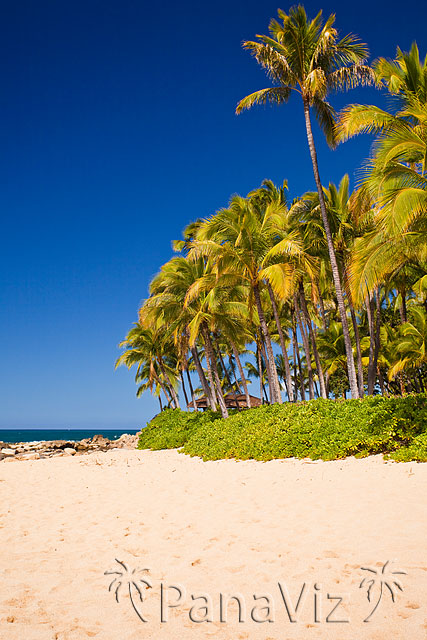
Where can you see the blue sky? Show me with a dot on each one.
(117, 128)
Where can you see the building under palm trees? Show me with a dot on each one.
(232, 401)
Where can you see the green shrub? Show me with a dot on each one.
(171, 428)
(417, 450)
(319, 429)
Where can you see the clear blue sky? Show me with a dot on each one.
(117, 129)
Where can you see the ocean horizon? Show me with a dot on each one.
(73, 435)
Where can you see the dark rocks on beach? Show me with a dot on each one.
(56, 448)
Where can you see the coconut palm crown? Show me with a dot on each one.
(307, 56)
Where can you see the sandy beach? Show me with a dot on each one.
(280, 531)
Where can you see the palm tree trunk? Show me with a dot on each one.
(402, 306)
(204, 382)
(313, 342)
(371, 327)
(306, 349)
(322, 312)
(265, 394)
(282, 344)
(164, 389)
(183, 388)
(374, 343)
(267, 369)
(210, 356)
(270, 362)
(166, 377)
(360, 381)
(193, 399)
(296, 350)
(232, 366)
(261, 386)
(242, 374)
(211, 379)
(334, 266)
(294, 362)
(317, 388)
(381, 381)
(415, 384)
(264, 357)
(224, 368)
(377, 330)
(160, 403)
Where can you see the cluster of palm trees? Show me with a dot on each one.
(320, 296)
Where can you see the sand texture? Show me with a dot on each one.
(275, 530)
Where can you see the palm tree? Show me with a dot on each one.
(150, 350)
(166, 309)
(307, 56)
(395, 180)
(411, 343)
(346, 225)
(406, 80)
(236, 242)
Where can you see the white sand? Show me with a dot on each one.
(218, 527)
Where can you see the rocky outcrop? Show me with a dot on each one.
(55, 448)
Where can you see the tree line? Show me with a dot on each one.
(335, 279)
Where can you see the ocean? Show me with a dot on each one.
(38, 435)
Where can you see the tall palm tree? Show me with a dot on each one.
(308, 57)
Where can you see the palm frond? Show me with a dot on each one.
(273, 95)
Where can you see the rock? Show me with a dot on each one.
(70, 451)
(54, 448)
(81, 446)
(99, 438)
(57, 444)
(29, 456)
(8, 452)
(126, 441)
(9, 459)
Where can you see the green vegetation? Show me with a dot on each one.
(172, 428)
(320, 428)
(416, 450)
